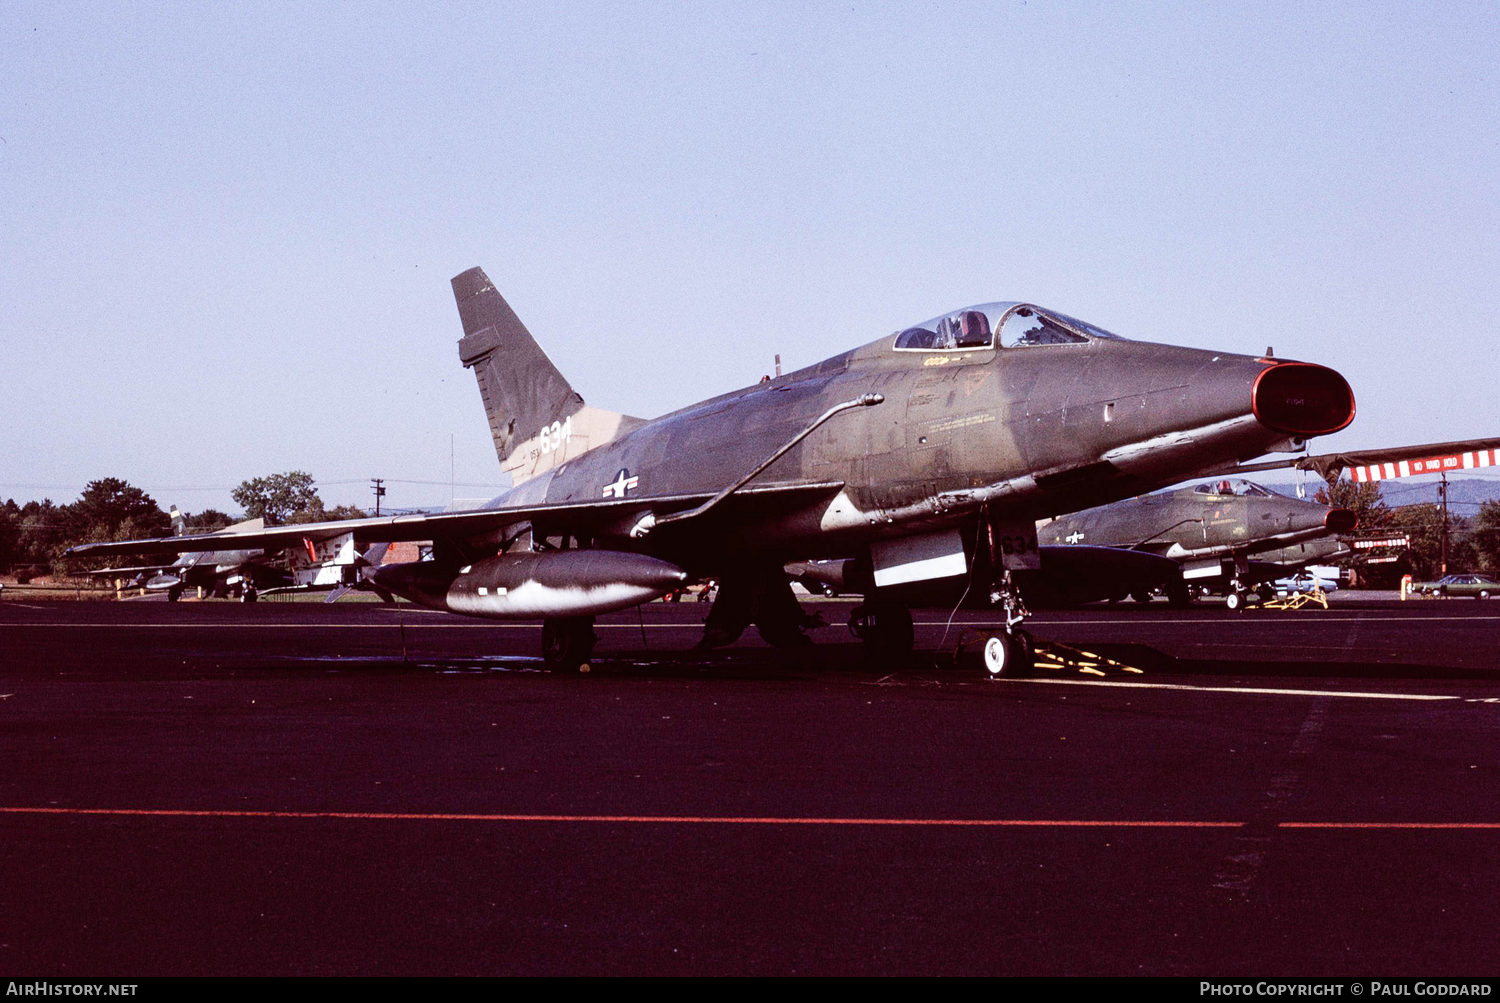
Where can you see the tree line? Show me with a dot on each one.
(34, 536)
(1473, 541)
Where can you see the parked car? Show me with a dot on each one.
(1306, 581)
(1478, 586)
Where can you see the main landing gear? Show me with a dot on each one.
(885, 628)
(567, 643)
(760, 595)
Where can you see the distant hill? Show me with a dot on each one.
(1465, 492)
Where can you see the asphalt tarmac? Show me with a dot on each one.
(211, 788)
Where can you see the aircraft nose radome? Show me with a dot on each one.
(1302, 399)
(1340, 520)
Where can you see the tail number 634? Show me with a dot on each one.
(554, 435)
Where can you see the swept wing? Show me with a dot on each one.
(578, 518)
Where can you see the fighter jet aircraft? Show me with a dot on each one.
(241, 573)
(1211, 530)
(931, 451)
(1322, 551)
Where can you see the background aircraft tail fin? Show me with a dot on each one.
(536, 417)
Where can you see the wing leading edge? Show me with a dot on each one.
(583, 518)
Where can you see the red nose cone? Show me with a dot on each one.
(1302, 399)
(1340, 521)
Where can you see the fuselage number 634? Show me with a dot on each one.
(1016, 544)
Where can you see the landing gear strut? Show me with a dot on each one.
(1179, 595)
(567, 643)
(760, 595)
(1009, 652)
(885, 628)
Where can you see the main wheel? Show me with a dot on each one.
(567, 643)
(892, 631)
(1233, 601)
(780, 634)
(885, 628)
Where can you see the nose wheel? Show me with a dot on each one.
(1008, 654)
(1242, 596)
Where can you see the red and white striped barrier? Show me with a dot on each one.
(1475, 460)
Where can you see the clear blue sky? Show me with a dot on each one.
(228, 229)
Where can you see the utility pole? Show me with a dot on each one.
(1443, 494)
(379, 483)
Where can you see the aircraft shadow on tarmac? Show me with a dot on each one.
(840, 662)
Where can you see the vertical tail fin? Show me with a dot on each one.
(536, 417)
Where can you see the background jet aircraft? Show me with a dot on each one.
(335, 567)
(215, 572)
(931, 451)
(1233, 535)
(1325, 550)
(1210, 530)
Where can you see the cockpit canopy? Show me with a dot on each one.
(1235, 487)
(1017, 325)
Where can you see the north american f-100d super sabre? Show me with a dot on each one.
(1210, 531)
(242, 573)
(928, 452)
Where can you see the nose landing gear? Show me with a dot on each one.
(1008, 654)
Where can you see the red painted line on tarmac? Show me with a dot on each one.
(1391, 825)
(990, 823)
(626, 819)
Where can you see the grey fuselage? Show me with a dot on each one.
(1019, 432)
